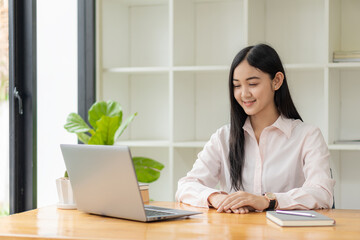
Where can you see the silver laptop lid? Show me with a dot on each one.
(103, 180)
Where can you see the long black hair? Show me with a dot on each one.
(266, 59)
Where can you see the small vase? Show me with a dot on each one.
(65, 193)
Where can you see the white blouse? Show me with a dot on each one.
(291, 160)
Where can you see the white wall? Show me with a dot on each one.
(57, 89)
(4, 154)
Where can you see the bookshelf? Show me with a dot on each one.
(168, 60)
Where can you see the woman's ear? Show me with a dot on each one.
(278, 80)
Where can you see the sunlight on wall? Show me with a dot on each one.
(57, 89)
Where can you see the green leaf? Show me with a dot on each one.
(83, 137)
(75, 124)
(147, 169)
(4, 210)
(106, 127)
(99, 109)
(96, 139)
(124, 126)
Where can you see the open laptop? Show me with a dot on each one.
(104, 182)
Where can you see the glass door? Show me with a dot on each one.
(4, 108)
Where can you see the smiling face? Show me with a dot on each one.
(254, 90)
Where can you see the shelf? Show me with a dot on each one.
(343, 100)
(204, 32)
(145, 25)
(139, 143)
(201, 104)
(201, 68)
(344, 34)
(146, 94)
(134, 3)
(355, 147)
(165, 69)
(169, 60)
(136, 70)
(307, 92)
(211, 1)
(296, 29)
(194, 144)
(299, 66)
(305, 66)
(346, 65)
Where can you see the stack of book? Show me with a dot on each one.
(144, 190)
(349, 56)
(353, 141)
(299, 218)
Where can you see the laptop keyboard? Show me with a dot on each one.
(151, 213)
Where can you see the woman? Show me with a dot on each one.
(267, 158)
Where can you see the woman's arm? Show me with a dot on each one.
(316, 192)
(318, 188)
(200, 182)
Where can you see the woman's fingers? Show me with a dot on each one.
(238, 204)
(230, 204)
(246, 210)
(222, 201)
(241, 210)
(223, 204)
(226, 202)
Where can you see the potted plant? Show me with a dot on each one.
(106, 127)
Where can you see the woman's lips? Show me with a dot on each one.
(249, 103)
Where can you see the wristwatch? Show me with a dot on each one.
(272, 201)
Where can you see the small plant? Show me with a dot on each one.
(106, 123)
(4, 210)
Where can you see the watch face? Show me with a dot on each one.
(270, 196)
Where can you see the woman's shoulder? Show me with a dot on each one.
(219, 139)
(222, 133)
(224, 130)
(304, 128)
(302, 125)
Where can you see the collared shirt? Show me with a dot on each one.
(290, 160)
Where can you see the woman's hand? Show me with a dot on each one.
(216, 199)
(240, 201)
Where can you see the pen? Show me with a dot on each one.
(295, 213)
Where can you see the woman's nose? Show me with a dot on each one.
(245, 92)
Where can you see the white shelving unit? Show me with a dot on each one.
(169, 60)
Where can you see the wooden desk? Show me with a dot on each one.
(50, 222)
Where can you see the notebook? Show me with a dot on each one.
(285, 220)
(104, 182)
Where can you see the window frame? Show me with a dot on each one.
(86, 56)
(23, 126)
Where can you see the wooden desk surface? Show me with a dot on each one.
(50, 222)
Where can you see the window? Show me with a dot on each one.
(4, 108)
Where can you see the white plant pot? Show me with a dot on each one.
(65, 193)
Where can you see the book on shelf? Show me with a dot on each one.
(346, 56)
(354, 141)
(144, 190)
(287, 220)
(347, 60)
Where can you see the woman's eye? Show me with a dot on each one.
(252, 84)
(236, 86)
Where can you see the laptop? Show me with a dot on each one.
(104, 182)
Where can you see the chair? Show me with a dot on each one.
(333, 206)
